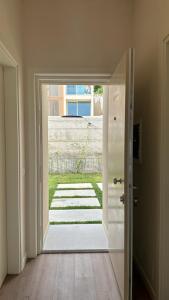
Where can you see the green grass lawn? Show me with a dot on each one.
(74, 178)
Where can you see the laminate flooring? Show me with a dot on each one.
(86, 276)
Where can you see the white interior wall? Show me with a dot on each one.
(11, 37)
(151, 26)
(77, 35)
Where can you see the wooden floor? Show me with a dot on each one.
(86, 276)
(63, 277)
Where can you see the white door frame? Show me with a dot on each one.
(12, 158)
(39, 80)
(164, 179)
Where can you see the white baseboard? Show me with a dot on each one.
(145, 279)
(2, 279)
(24, 259)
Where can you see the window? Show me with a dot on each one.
(83, 90)
(72, 109)
(84, 108)
(71, 89)
(79, 108)
(53, 90)
(78, 90)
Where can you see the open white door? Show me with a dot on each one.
(120, 172)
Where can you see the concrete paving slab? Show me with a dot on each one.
(67, 202)
(100, 185)
(75, 215)
(75, 186)
(75, 193)
(76, 237)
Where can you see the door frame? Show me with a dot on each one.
(164, 186)
(15, 262)
(39, 80)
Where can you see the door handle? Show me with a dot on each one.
(115, 180)
(122, 198)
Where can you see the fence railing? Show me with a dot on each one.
(62, 164)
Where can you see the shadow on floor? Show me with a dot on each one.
(139, 289)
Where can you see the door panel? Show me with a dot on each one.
(120, 168)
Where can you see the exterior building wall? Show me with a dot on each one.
(98, 105)
(57, 104)
(75, 144)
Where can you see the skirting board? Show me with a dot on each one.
(2, 280)
(145, 279)
(24, 260)
(74, 251)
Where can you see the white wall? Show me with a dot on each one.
(151, 26)
(75, 35)
(11, 37)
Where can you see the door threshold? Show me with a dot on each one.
(75, 251)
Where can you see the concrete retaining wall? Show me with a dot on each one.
(75, 144)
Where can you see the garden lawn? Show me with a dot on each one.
(93, 178)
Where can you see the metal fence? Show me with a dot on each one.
(60, 164)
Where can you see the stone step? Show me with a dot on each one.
(75, 215)
(75, 193)
(67, 202)
(74, 186)
(100, 185)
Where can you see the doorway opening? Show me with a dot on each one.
(115, 210)
(72, 123)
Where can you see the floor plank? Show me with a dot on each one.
(87, 276)
(63, 277)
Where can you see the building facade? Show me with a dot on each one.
(74, 100)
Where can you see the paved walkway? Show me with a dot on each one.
(100, 185)
(75, 215)
(76, 237)
(75, 202)
(75, 193)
